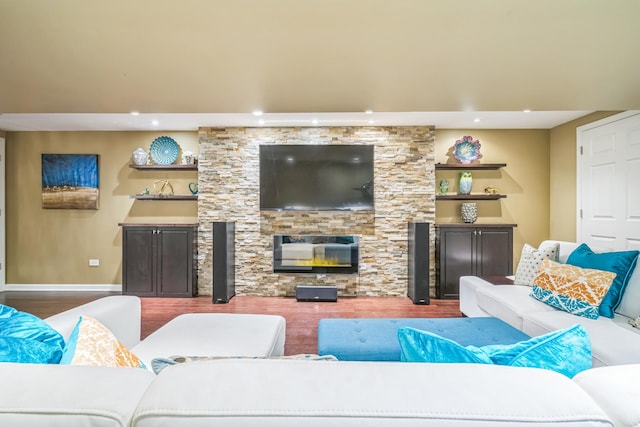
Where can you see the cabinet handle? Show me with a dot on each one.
(475, 232)
(479, 232)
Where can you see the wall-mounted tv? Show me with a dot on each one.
(316, 177)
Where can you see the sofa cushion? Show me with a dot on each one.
(92, 344)
(24, 338)
(630, 302)
(615, 389)
(287, 393)
(509, 303)
(621, 263)
(530, 260)
(572, 289)
(70, 396)
(566, 351)
(613, 341)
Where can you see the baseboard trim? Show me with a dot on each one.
(30, 287)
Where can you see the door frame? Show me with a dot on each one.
(580, 130)
(3, 214)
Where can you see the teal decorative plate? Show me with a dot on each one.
(164, 150)
(466, 150)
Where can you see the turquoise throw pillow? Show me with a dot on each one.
(622, 263)
(423, 346)
(24, 338)
(567, 351)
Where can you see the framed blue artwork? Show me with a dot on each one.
(70, 181)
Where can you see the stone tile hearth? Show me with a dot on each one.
(228, 182)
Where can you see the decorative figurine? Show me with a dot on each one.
(193, 187)
(466, 150)
(165, 183)
(466, 181)
(444, 186)
(491, 190)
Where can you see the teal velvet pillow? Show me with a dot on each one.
(621, 263)
(26, 339)
(567, 351)
(423, 346)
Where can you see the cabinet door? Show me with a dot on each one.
(494, 251)
(138, 261)
(457, 258)
(175, 261)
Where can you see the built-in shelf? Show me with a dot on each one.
(166, 167)
(163, 197)
(486, 166)
(471, 196)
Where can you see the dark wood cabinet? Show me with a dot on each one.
(471, 250)
(159, 260)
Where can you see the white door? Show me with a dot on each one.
(3, 276)
(609, 182)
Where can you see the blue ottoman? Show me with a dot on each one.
(377, 339)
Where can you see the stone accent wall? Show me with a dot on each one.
(229, 187)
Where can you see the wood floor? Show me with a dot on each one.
(301, 317)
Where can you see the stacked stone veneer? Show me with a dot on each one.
(229, 190)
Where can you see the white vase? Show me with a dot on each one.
(140, 157)
(469, 212)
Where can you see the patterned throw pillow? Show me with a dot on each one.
(572, 289)
(530, 261)
(92, 344)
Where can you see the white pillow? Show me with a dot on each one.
(530, 260)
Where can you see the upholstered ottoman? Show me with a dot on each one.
(215, 334)
(377, 340)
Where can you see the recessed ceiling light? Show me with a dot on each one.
(257, 113)
(368, 112)
(155, 122)
(371, 121)
(527, 111)
(135, 113)
(261, 122)
(476, 120)
(314, 121)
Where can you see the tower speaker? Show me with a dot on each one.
(418, 262)
(224, 262)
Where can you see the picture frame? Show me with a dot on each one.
(70, 181)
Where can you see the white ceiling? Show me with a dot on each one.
(78, 65)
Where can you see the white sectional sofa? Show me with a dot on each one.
(270, 392)
(614, 341)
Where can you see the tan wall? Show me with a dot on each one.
(51, 246)
(562, 196)
(525, 181)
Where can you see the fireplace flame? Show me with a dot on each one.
(317, 261)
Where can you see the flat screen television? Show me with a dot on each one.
(316, 177)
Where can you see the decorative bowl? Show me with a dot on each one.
(164, 150)
(466, 150)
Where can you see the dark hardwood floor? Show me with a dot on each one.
(301, 317)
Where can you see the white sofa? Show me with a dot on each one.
(614, 341)
(268, 393)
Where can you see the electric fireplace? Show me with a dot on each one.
(317, 254)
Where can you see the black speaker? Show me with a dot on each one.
(224, 262)
(317, 293)
(418, 262)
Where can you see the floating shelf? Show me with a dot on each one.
(166, 167)
(477, 166)
(471, 197)
(159, 197)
